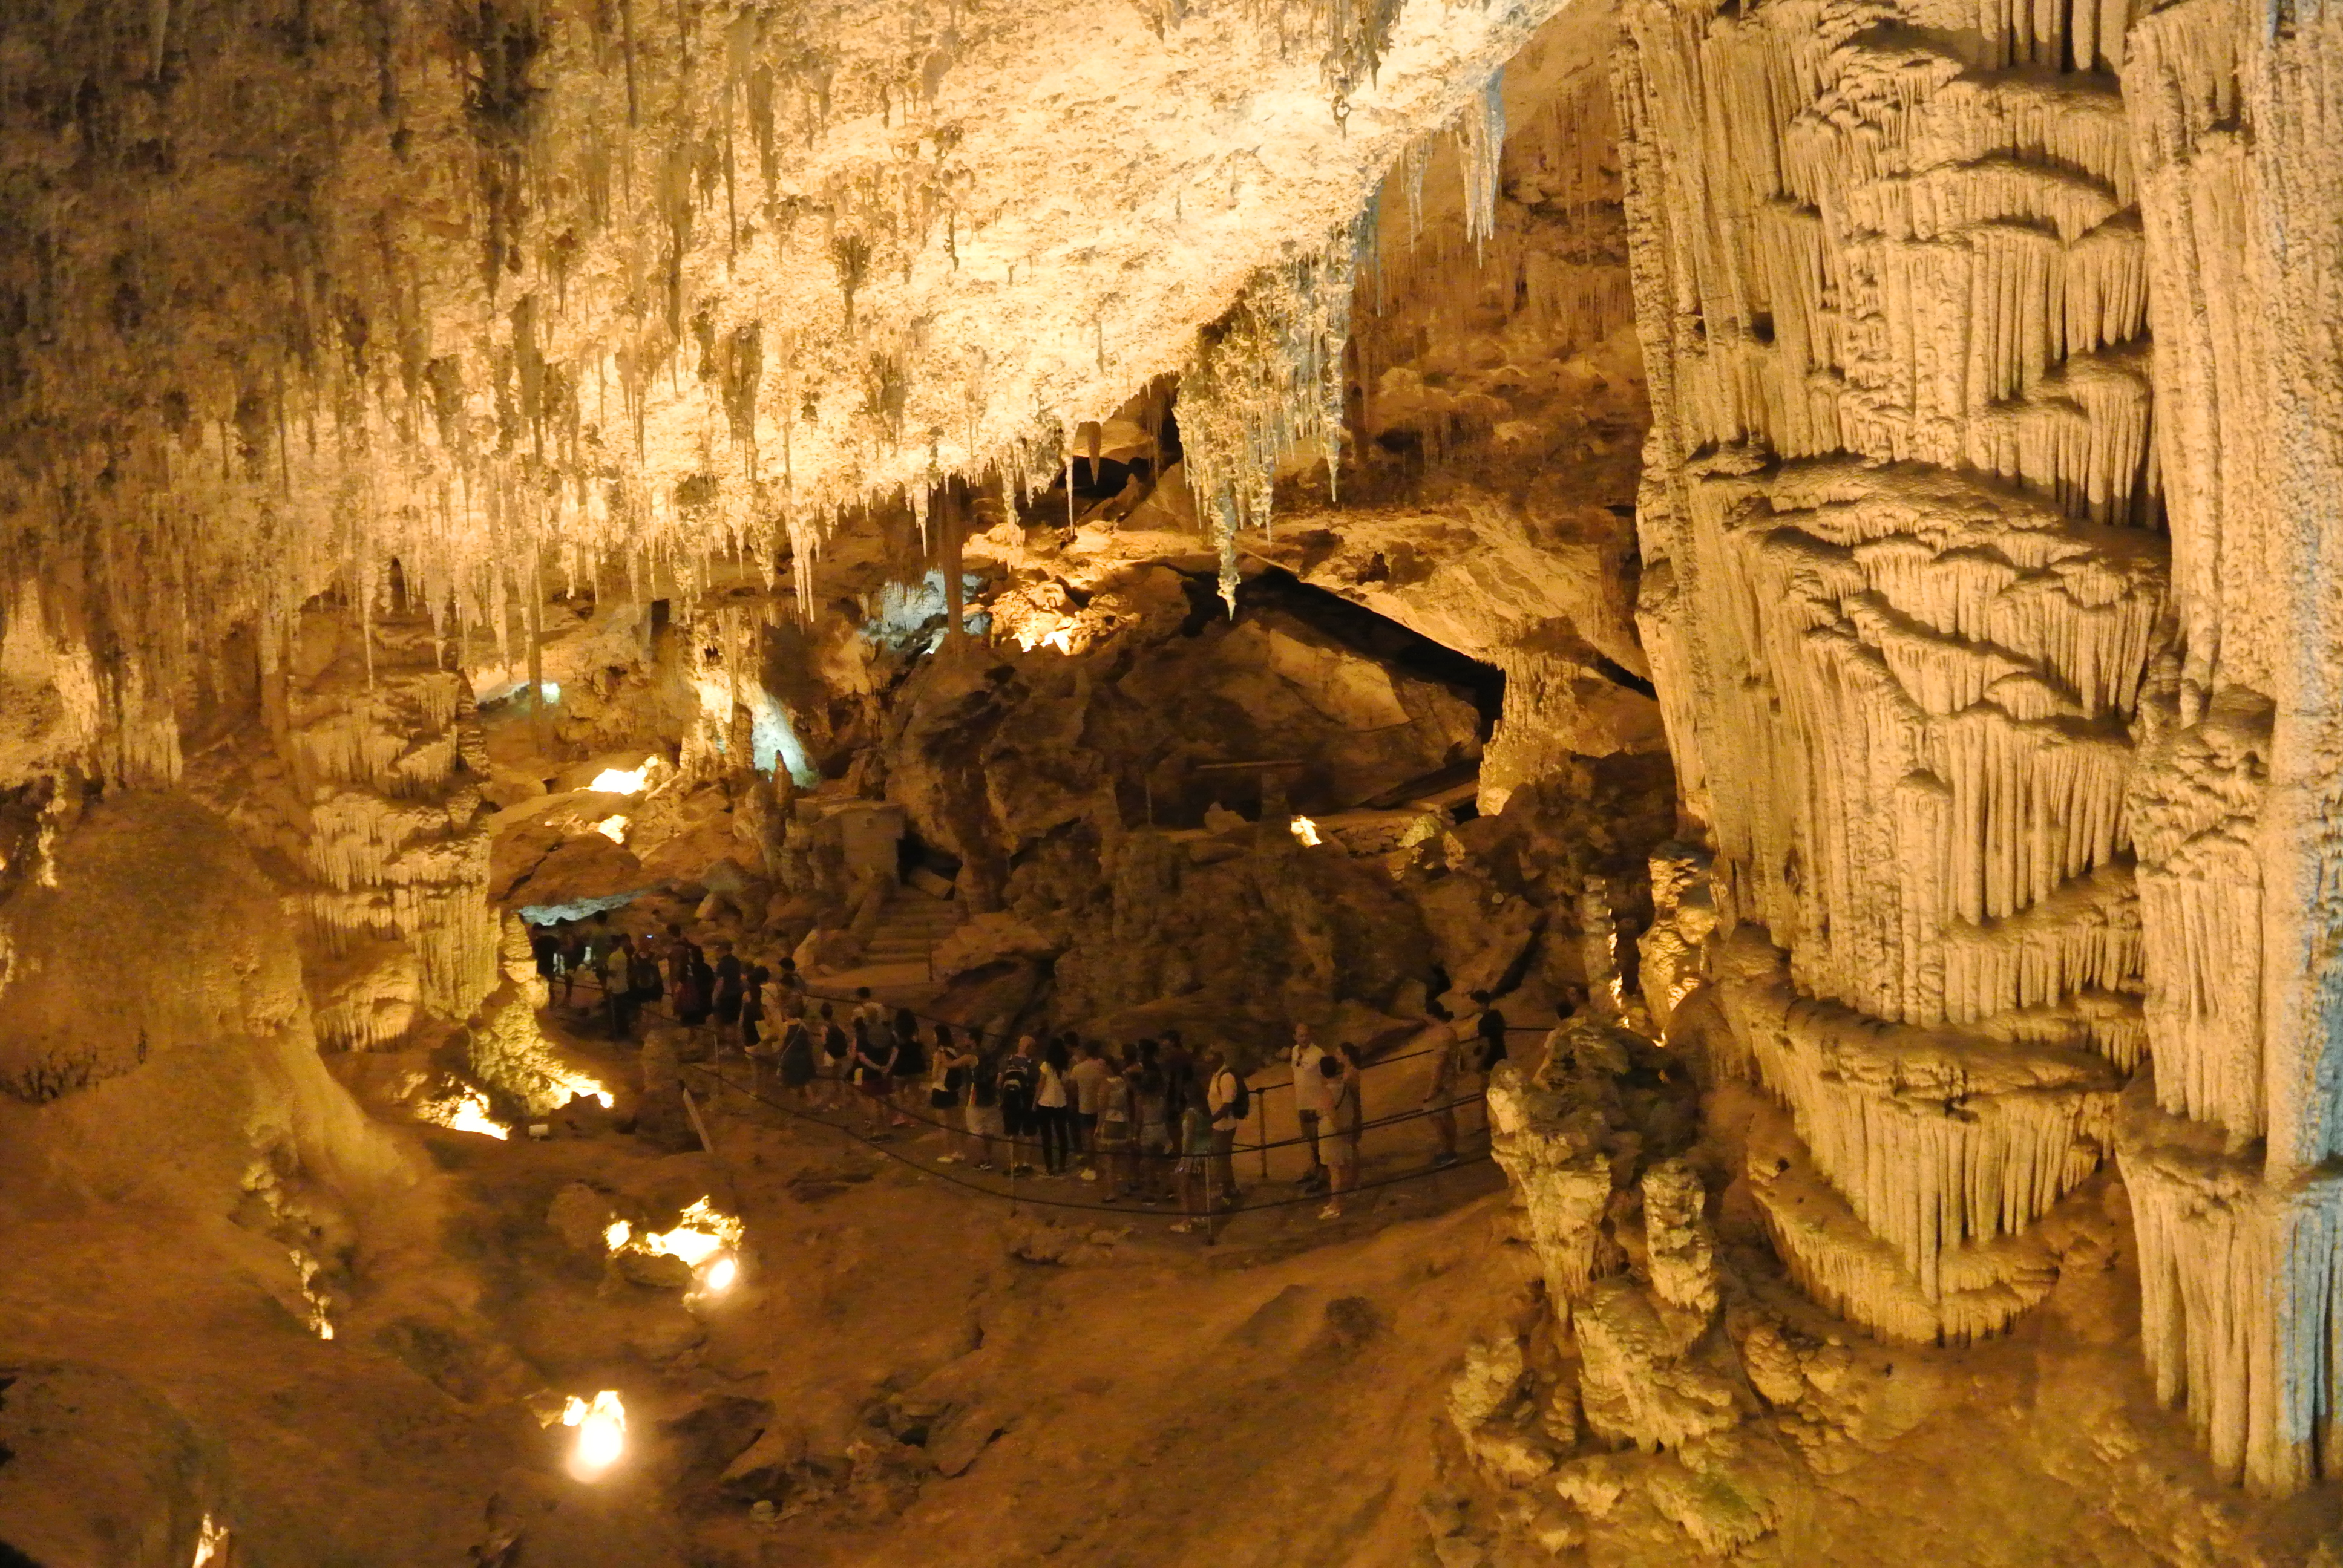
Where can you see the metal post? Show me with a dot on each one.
(1261, 1129)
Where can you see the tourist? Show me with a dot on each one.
(1309, 1100)
(910, 1063)
(867, 1011)
(572, 960)
(874, 1073)
(648, 986)
(1491, 1028)
(731, 992)
(1151, 1161)
(1228, 1098)
(797, 1060)
(1194, 1172)
(1088, 1078)
(545, 948)
(615, 968)
(947, 1083)
(983, 1111)
(677, 952)
(750, 1005)
(1344, 1123)
(1114, 1140)
(1019, 1077)
(836, 1061)
(1053, 1107)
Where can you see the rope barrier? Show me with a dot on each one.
(1101, 1208)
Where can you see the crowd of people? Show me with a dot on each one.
(1151, 1122)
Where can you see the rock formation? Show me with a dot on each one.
(1787, 543)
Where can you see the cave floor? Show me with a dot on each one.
(1140, 1400)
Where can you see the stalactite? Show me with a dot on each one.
(1481, 145)
(1937, 1138)
(1265, 383)
(462, 421)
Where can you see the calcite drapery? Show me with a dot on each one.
(1899, 599)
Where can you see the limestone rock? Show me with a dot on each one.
(1643, 1384)
(991, 939)
(1679, 1252)
(1490, 1376)
(579, 1215)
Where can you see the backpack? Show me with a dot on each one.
(1240, 1105)
(1017, 1078)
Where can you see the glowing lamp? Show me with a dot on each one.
(471, 1115)
(613, 829)
(624, 780)
(572, 1084)
(601, 1424)
(1304, 830)
(720, 1274)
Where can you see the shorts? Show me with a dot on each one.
(943, 1099)
(984, 1121)
(877, 1085)
(1115, 1135)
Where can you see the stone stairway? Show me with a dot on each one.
(897, 954)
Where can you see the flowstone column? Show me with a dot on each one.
(1903, 583)
(2231, 1153)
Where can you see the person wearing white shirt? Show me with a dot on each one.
(1309, 1100)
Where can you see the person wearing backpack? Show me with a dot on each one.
(797, 1060)
(1020, 1076)
(836, 1060)
(1229, 1099)
(874, 1073)
(947, 1084)
(910, 1064)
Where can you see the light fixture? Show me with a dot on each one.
(624, 780)
(570, 1085)
(471, 1115)
(703, 1238)
(601, 1424)
(613, 829)
(1304, 830)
